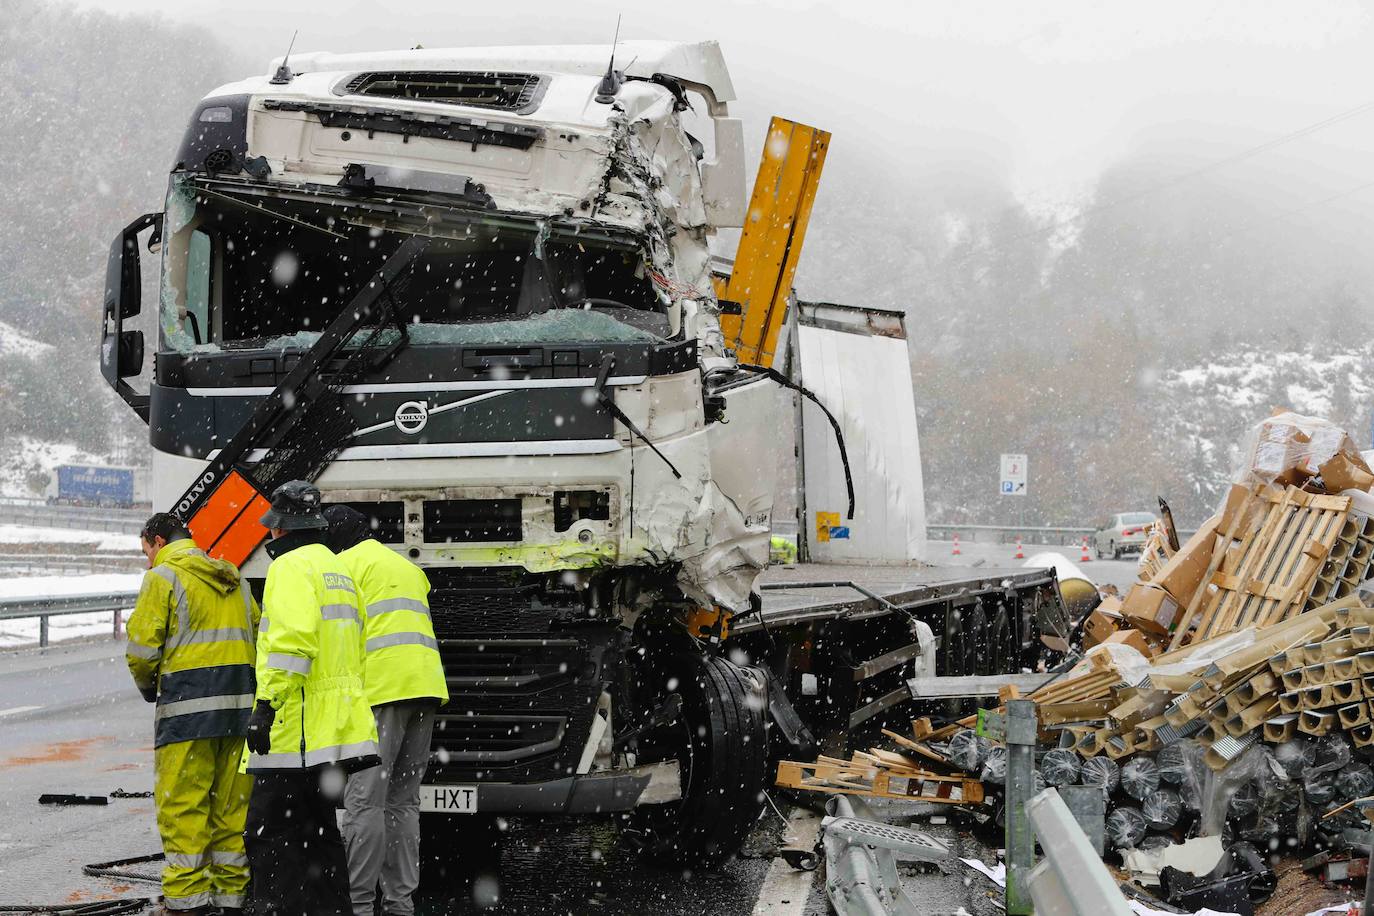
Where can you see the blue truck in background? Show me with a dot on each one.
(88, 485)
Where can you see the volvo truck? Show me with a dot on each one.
(472, 293)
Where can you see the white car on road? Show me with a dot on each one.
(1122, 533)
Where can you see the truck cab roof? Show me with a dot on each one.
(700, 63)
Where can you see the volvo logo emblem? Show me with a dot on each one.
(412, 416)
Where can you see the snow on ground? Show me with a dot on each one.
(52, 586)
(103, 540)
(13, 342)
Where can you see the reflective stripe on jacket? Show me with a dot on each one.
(191, 636)
(310, 665)
(402, 654)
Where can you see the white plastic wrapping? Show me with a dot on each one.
(1289, 448)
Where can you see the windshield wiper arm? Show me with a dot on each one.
(603, 397)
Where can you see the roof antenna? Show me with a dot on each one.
(610, 83)
(284, 74)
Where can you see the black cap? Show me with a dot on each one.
(347, 527)
(295, 506)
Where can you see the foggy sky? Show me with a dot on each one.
(1038, 96)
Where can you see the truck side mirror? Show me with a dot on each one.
(121, 351)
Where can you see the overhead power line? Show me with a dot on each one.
(1177, 180)
(1291, 211)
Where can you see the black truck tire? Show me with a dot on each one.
(724, 764)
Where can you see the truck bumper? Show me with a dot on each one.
(591, 793)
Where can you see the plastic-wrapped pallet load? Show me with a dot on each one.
(1354, 781)
(1125, 827)
(1061, 767)
(1319, 787)
(995, 766)
(1296, 756)
(968, 751)
(1244, 802)
(1140, 777)
(1101, 772)
(1172, 767)
(1162, 809)
(1288, 448)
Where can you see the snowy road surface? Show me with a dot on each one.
(1120, 573)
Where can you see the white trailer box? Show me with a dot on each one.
(855, 360)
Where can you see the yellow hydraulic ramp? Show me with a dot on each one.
(754, 297)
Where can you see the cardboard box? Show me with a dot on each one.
(1341, 473)
(1254, 515)
(1149, 608)
(1105, 620)
(1182, 575)
(1133, 638)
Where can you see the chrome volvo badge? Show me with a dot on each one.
(412, 416)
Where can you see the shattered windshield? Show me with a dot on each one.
(241, 273)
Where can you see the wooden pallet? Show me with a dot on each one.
(1268, 577)
(838, 777)
(1155, 553)
(1094, 684)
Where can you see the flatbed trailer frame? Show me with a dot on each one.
(843, 641)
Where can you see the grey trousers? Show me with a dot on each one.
(381, 821)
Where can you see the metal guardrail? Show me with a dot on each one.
(85, 518)
(1006, 534)
(1030, 534)
(58, 605)
(48, 564)
(1071, 879)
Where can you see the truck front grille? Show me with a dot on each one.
(471, 520)
(523, 684)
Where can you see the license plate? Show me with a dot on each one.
(449, 799)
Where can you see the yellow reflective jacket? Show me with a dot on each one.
(781, 550)
(191, 638)
(310, 665)
(402, 654)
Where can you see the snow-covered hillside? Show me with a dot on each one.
(1205, 410)
(26, 464)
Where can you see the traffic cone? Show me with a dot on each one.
(1020, 555)
(955, 551)
(1086, 558)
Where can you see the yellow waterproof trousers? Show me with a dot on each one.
(202, 800)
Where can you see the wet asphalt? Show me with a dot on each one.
(70, 722)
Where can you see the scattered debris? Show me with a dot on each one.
(1224, 708)
(51, 798)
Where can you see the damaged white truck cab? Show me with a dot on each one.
(559, 435)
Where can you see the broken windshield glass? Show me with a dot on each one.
(243, 274)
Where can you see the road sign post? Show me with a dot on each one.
(1014, 479)
(1015, 475)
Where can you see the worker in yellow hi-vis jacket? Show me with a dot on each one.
(311, 725)
(405, 683)
(191, 651)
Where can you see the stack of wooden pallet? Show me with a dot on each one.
(1264, 573)
(878, 773)
(1081, 695)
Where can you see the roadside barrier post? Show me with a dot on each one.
(1020, 836)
